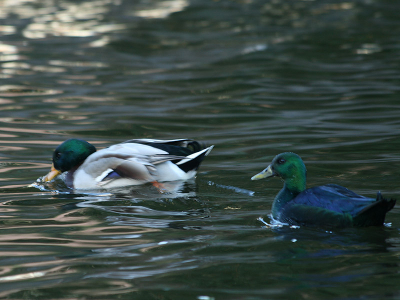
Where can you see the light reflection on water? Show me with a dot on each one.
(254, 78)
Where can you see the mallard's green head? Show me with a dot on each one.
(290, 167)
(70, 154)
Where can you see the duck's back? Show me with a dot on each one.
(335, 198)
(337, 206)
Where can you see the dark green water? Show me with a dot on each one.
(254, 78)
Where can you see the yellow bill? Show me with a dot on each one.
(52, 174)
(268, 172)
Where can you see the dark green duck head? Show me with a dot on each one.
(69, 155)
(290, 167)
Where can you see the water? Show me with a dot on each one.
(254, 78)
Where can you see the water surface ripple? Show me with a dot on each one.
(254, 78)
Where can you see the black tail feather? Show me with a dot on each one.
(194, 163)
(195, 146)
(374, 214)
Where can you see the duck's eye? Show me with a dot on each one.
(58, 155)
(281, 161)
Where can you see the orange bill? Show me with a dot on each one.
(52, 174)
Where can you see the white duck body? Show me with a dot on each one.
(136, 162)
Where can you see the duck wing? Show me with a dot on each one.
(136, 163)
(337, 206)
(176, 147)
(333, 197)
(192, 151)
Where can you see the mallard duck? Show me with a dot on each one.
(132, 162)
(328, 205)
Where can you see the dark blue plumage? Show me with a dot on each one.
(327, 205)
(336, 198)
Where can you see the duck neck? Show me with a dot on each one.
(69, 178)
(291, 188)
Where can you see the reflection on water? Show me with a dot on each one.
(162, 9)
(255, 78)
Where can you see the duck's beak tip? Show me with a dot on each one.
(267, 172)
